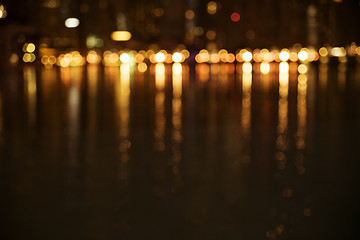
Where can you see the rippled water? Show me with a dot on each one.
(180, 152)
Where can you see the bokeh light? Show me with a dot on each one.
(235, 17)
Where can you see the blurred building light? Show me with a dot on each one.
(235, 17)
(121, 36)
(198, 31)
(211, 7)
(93, 41)
(158, 12)
(3, 12)
(14, 58)
(72, 22)
(211, 35)
(51, 4)
(338, 52)
(189, 14)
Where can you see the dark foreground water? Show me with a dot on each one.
(180, 152)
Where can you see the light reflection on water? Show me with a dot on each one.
(225, 150)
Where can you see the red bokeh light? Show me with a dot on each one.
(235, 17)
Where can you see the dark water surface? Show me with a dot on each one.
(180, 152)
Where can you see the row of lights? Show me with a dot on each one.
(111, 58)
(265, 55)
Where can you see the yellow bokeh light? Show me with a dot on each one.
(302, 69)
(293, 57)
(30, 47)
(185, 53)
(323, 52)
(93, 57)
(142, 67)
(29, 57)
(121, 36)
(64, 62)
(45, 60)
(303, 55)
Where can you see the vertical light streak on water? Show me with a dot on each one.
(323, 76)
(301, 121)
(282, 127)
(92, 92)
(246, 110)
(176, 124)
(160, 120)
(122, 94)
(30, 89)
(73, 76)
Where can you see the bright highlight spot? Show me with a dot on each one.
(160, 57)
(284, 56)
(303, 55)
(72, 22)
(124, 58)
(177, 57)
(247, 56)
(338, 52)
(30, 48)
